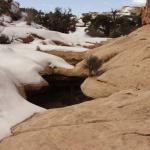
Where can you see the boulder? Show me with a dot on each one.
(146, 13)
(126, 65)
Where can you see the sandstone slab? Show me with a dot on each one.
(119, 122)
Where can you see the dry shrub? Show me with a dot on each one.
(4, 39)
(93, 64)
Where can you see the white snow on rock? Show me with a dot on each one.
(78, 38)
(139, 2)
(13, 107)
(62, 48)
(128, 10)
(5, 18)
(20, 67)
(80, 23)
(48, 47)
(15, 7)
(26, 64)
(81, 38)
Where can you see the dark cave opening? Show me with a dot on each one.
(62, 91)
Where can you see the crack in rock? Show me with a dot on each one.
(137, 133)
(63, 125)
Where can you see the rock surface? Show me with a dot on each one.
(71, 57)
(127, 65)
(119, 122)
(146, 13)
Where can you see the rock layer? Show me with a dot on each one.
(146, 13)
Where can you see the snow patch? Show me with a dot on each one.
(19, 67)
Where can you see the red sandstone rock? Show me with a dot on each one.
(146, 14)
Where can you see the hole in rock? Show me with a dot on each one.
(62, 91)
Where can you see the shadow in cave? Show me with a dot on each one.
(62, 91)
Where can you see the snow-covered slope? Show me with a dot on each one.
(17, 30)
(80, 37)
(13, 107)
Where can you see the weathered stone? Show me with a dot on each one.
(119, 122)
(129, 68)
(146, 13)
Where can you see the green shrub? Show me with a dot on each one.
(112, 25)
(59, 20)
(86, 18)
(4, 39)
(62, 21)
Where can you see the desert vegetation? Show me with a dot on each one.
(4, 39)
(6, 8)
(111, 24)
(59, 20)
(86, 19)
(93, 64)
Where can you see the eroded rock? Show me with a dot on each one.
(118, 122)
(128, 68)
(146, 13)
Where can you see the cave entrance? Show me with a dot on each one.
(62, 91)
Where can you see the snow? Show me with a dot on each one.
(20, 67)
(80, 23)
(126, 9)
(48, 47)
(33, 61)
(21, 30)
(5, 18)
(15, 7)
(139, 2)
(62, 48)
(13, 107)
(81, 38)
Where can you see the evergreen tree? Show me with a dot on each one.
(86, 19)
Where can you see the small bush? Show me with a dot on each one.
(4, 39)
(93, 64)
(113, 25)
(29, 19)
(115, 34)
(86, 18)
(16, 16)
(93, 32)
(38, 48)
(4, 7)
